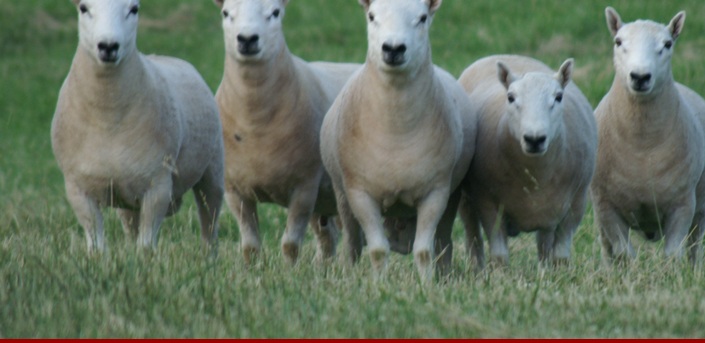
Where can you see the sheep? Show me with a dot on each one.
(651, 156)
(535, 157)
(399, 138)
(272, 105)
(134, 132)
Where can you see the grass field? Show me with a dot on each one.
(50, 287)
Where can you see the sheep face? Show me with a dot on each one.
(643, 51)
(397, 33)
(107, 29)
(253, 28)
(535, 106)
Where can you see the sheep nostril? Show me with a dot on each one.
(535, 141)
(398, 49)
(108, 47)
(247, 39)
(640, 78)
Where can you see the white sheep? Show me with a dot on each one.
(651, 157)
(134, 132)
(399, 138)
(272, 105)
(535, 156)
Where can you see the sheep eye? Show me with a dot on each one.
(276, 13)
(372, 17)
(424, 18)
(559, 97)
(668, 44)
(618, 42)
(225, 14)
(134, 10)
(511, 98)
(83, 9)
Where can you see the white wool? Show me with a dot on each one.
(543, 190)
(272, 105)
(135, 132)
(399, 138)
(650, 161)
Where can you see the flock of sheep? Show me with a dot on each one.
(388, 151)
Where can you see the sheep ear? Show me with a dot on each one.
(433, 6)
(365, 4)
(676, 25)
(76, 2)
(219, 3)
(565, 74)
(285, 2)
(614, 22)
(505, 75)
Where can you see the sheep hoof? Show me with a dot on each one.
(379, 259)
(250, 254)
(326, 250)
(621, 260)
(327, 243)
(353, 255)
(561, 262)
(498, 262)
(210, 249)
(424, 264)
(291, 252)
(423, 258)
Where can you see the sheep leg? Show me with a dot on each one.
(89, 216)
(677, 226)
(209, 200)
(563, 240)
(368, 213)
(492, 219)
(695, 240)
(245, 211)
(444, 242)
(614, 233)
(326, 232)
(155, 205)
(303, 200)
(430, 212)
(130, 222)
(474, 244)
(352, 234)
(544, 243)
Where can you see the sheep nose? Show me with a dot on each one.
(247, 45)
(394, 54)
(247, 39)
(640, 79)
(534, 142)
(108, 51)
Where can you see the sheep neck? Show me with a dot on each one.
(537, 166)
(108, 92)
(260, 88)
(645, 120)
(401, 101)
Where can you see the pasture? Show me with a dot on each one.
(51, 288)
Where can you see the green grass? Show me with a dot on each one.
(50, 287)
